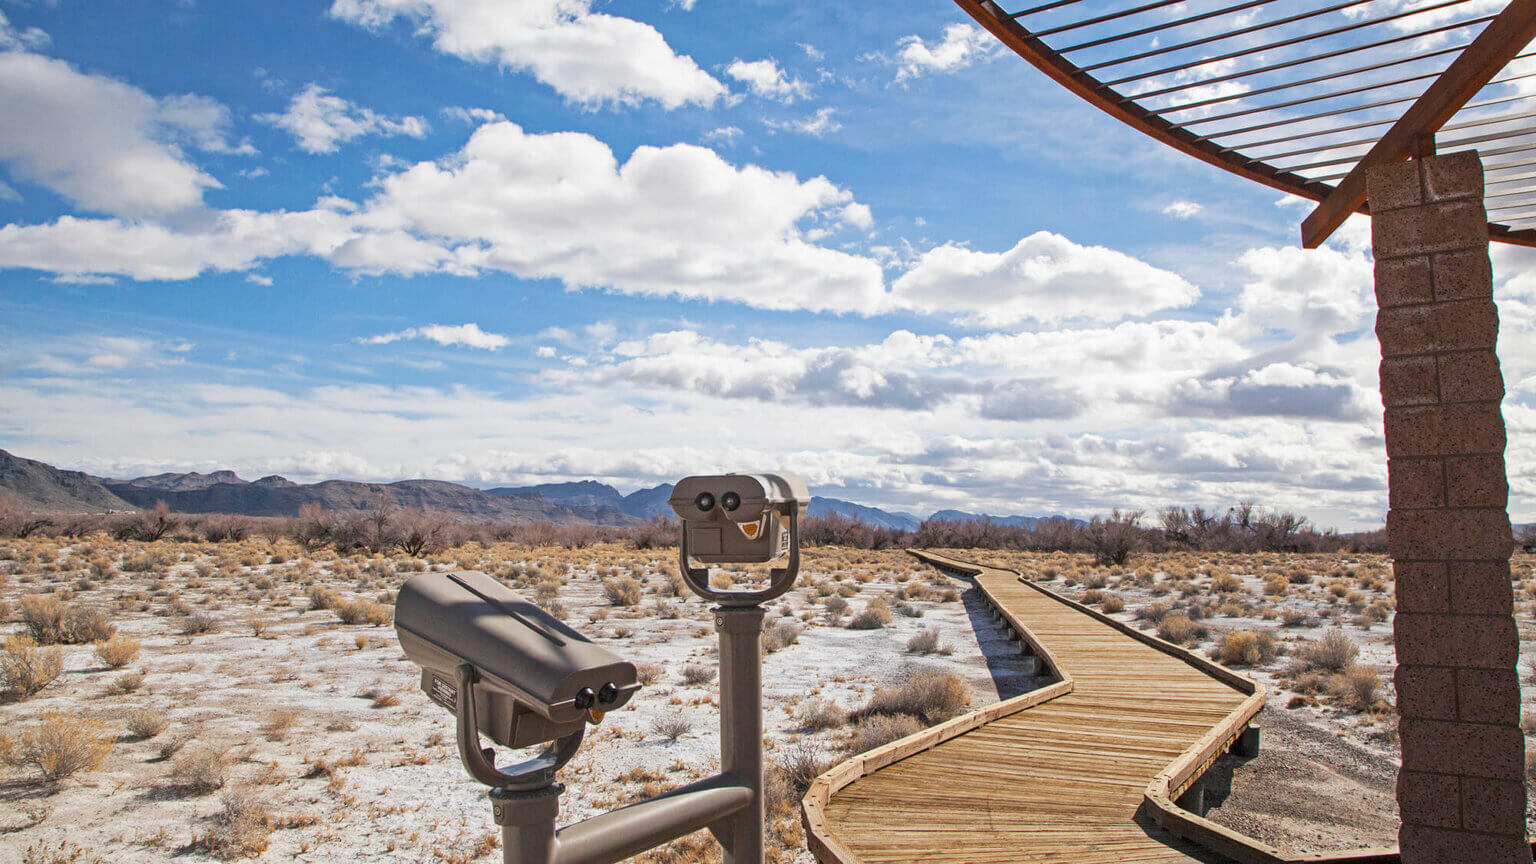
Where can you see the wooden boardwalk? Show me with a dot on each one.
(1083, 771)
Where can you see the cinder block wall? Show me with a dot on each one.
(1461, 791)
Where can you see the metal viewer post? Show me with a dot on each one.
(762, 514)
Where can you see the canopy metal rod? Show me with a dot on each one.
(1353, 126)
(1112, 16)
(1508, 133)
(1203, 16)
(1476, 139)
(1528, 190)
(1289, 84)
(1518, 215)
(1324, 178)
(1285, 43)
(1333, 113)
(1517, 178)
(1046, 8)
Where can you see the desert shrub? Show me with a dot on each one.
(928, 694)
(673, 726)
(1298, 576)
(782, 635)
(241, 830)
(907, 610)
(1095, 580)
(61, 744)
(800, 766)
(1245, 648)
(876, 614)
(118, 651)
(1294, 617)
(1112, 604)
(126, 683)
(197, 623)
(880, 729)
(697, 673)
(1226, 583)
(363, 612)
(51, 621)
(321, 597)
(26, 668)
(201, 770)
(927, 642)
(1153, 612)
(1333, 653)
(647, 673)
(1357, 688)
(1178, 629)
(1091, 598)
(146, 722)
(820, 714)
(836, 605)
(622, 591)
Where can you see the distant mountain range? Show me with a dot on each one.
(1010, 521)
(38, 486)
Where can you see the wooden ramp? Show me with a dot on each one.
(1085, 770)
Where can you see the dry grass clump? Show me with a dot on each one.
(126, 683)
(1112, 604)
(26, 668)
(876, 614)
(1180, 630)
(1153, 612)
(146, 722)
(927, 694)
(118, 651)
(201, 770)
(818, 715)
(1357, 688)
(927, 642)
(59, 745)
(673, 726)
(881, 729)
(197, 623)
(363, 612)
(622, 591)
(51, 621)
(698, 673)
(1332, 653)
(1226, 583)
(647, 673)
(241, 830)
(780, 636)
(1246, 648)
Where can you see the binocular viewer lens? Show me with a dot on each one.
(706, 501)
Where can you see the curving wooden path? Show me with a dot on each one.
(1085, 770)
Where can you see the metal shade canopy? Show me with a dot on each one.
(1304, 95)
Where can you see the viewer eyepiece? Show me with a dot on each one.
(730, 501)
(706, 501)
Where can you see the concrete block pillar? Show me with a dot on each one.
(1461, 791)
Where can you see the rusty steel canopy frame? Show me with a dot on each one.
(1303, 97)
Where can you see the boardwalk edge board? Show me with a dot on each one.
(1158, 799)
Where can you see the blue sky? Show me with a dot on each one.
(509, 242)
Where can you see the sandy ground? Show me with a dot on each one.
(323, 724)
(364, 780)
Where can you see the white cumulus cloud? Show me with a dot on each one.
(97, 141)
(1045, 278)
(764, 78)
(961, 45)
(469, 335)
(320, 122)
(588, 57)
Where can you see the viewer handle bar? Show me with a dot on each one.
(531, 774)
(618, 834)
